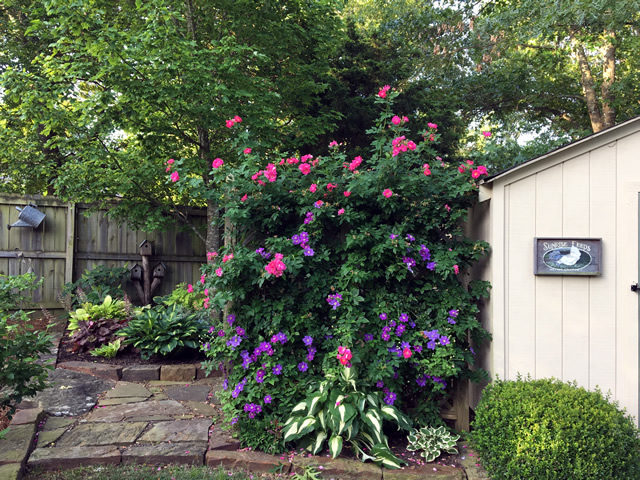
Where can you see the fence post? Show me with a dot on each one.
(71, 241)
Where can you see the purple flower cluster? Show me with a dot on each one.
(279, 337)
(422, 380)
(425, 253)
(300, 239)
(393, 237)
(303, 367)
(277, 370)
(452, 315)
(234, 342)
(260, 376)
(411, 238)
(263, 253)
(239, 387)
(390, 397)
(410, 263)
(307, 340)
(434, 336)
(309, 218)
(311, 353)
(368, 337)
(334, 300)
(253, 409)
(231, 319)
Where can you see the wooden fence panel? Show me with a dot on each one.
(71, 241)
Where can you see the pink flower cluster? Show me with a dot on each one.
(475, 172)
(169, 163)
(211, 255)
(217, 163)
(271, 173)
(175, 176)
(401, 144)
(355, 163)
(344, 356)
(276, 266)
(383, 91)
(396, 120)
(427, 169)
(233, 121)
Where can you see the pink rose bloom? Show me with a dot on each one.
(305, 168)
(313, 187)
(333, 144)
(341, 211)
(482, 169)
(276, 266)
(331, 186)
(456, 269)
(206, 302)
(170, 161)
(247, 151)
(175, 176)
(475, 174)
(271, 173)
(347, 193)
(406, 353)
(448, 208)
(304, 158)
(190, 288)
(383, 91)
(396, 120)
(206, 292)
(486, 134)
(244, 199)
(217, 163)
(469, 162)
(168, 169)
(432, 125)
(230, 123)
(405, 119)
(292, 160)
(237, 119)
(461, 169)
(427, 172)
(211, 255)
(202, 277)
(387, 193)
(219, 271)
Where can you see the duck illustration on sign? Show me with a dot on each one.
(568, 256)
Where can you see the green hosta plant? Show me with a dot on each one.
(432, 441)
(163, 330)
(108, 309)
(110, 350)
(337, 412)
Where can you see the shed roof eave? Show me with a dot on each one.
(614, 132)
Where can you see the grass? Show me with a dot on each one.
(146, 472)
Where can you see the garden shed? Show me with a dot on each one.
(564, 235)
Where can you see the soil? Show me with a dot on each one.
(127, 356)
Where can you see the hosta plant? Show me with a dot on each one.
(163, 331)
(108, 309)
(109, 350)
(432, 441)
(338, 413)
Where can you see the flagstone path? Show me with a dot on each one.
(94, 415)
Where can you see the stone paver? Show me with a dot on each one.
(200, 408)
(100, 370)
(128, 389)
(141, 373)
(91, 434)
(178, 431)
(118, 413)
(11, 471)
(177, 453)
(54, 423)
(70, 457)
(48, 437)
(29, 415)
(432, 472)
(339, 468)
(222, 440)
(253, 461)
(470, 463)
(178, 373)
(15, 445)
(119, 401)
(188, 393)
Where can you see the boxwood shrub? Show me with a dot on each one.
(547, 429)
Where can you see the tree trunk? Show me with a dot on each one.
(608, 77)
(588, 88)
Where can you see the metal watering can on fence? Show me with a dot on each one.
(29, 216)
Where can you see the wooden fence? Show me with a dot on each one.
(70, 241)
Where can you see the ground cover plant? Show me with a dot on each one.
(340, 262)
(547, 429)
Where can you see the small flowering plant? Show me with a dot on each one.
(366, 254)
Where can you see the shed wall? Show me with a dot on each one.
(572, 328)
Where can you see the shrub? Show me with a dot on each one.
(328, 252)
(94, 286)
(11, 287)
(163, 331)
(546, 429)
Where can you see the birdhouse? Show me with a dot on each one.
(136, 272)
(29, 216)
(146, 248)
(159, 270)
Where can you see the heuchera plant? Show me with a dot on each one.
(332, 251)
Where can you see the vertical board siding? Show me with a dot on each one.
(575, 290)
(628, 186)
(44, 250)
(548, 298)
(602, 290)
(521, 284)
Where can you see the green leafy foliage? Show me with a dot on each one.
(432, 441)
(12, 288)
(20, 374)
(183, 297)
(163, 331)
(109, 350)
(94, 286)
(337, 413)
(547, 429)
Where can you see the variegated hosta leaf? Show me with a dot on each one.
(360, 453)
(386, 458)
(361, 402)
(318, 442)
(335, 445)
(313, 403)
(392, 413)
(368, 439)
(300, 407)
(321, 419)
(291, 430)
(372, 399)
(307, 425)
(352, 429)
